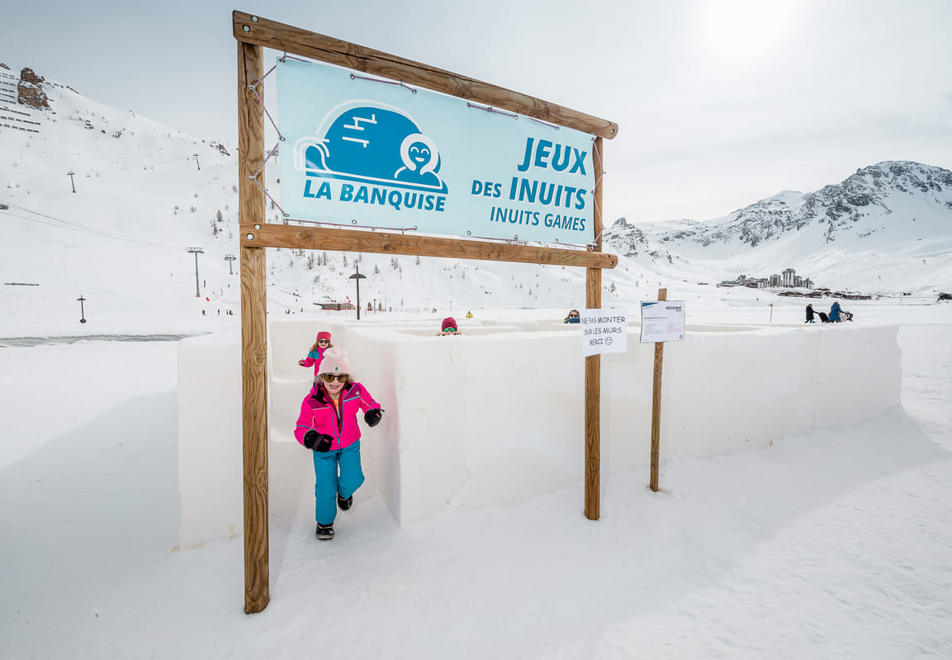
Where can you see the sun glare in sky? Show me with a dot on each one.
(742, 30)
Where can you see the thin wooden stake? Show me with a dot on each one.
(656, 405)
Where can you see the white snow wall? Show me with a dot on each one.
(497, 415)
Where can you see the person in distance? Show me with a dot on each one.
(316, 354)
(449, 327)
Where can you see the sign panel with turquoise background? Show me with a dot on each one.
(366, 153)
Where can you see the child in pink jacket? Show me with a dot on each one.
(316, 354)
(328, 425)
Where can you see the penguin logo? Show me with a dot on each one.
(369, 142)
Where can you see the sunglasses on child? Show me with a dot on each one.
(323, 341)
(449, 329)
(329, 378)
(573, 316)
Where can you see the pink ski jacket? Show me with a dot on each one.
(314, 358)
(319, 414)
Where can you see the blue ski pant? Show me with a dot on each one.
(335, 473)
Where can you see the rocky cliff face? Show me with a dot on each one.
(873, 189)
(626, 239)
(30, 90)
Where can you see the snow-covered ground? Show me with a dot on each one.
(833, 544)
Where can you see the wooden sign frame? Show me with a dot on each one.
(252, 34)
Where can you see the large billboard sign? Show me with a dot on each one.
(369, 153)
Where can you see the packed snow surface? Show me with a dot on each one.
(836, 543)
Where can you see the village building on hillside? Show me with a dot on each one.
(789, 279)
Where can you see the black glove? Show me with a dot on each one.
(372, 416)
(317, 441)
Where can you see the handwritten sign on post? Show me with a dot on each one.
(604, 331)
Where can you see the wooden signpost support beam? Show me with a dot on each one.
(656, 406)
(271, 34)
(593, 363)
(349, 240)
(254, 335)
(254, 33)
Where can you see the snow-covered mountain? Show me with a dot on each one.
(104, 203)
(886, 227)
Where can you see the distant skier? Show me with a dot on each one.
(810, 314)
(316, 352)
(328, 425)
(835, 313)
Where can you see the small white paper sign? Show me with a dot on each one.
(604, 331)
(662, 320)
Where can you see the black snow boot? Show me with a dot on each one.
(324, 532)
(345, 504)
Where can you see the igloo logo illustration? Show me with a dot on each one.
(372, 144)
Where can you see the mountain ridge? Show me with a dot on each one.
(144, 193)
(882, 211)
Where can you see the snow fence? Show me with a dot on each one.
(496, 415)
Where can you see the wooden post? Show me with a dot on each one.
(593, 363)
(304, 43)
(254, 333)
(656, 405)
(254, 33)
(381, 242)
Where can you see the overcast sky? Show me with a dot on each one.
(719, 102)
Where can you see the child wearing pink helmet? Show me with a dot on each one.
(328, 426)
(449, 327)
(316, 354)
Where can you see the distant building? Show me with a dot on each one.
(789, 279)
(334, 305)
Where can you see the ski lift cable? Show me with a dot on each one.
(80, 227)
(59, 225)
